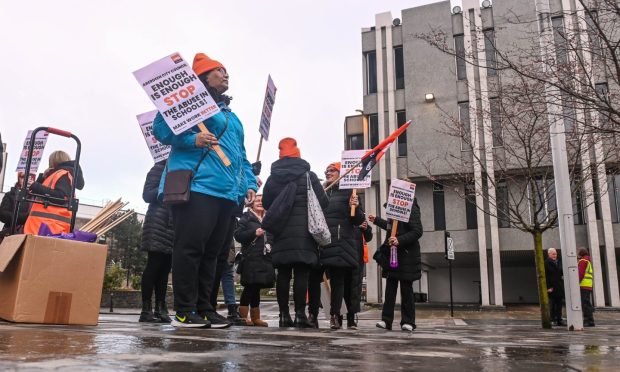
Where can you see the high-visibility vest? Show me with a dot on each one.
(587, 277)
(365, 257)
(58, 219)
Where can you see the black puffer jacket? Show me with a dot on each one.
(6, 211)
(343, 250)
(294, 245)
(358, 272)
(409, 257)
(157, 232)
(256, 266)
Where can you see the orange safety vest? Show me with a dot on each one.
(58, 219)
(365, 249)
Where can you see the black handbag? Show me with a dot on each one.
(177, 185)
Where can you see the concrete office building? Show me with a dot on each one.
(406, 78)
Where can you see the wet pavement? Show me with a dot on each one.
(472, 341)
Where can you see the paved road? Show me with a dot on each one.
(120, 343)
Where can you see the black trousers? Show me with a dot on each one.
(300, 287)
(555, 307)
(222, 261)
(155, 276)
(586, 305)
(407, 301)
(200, 229)
(314, 290)
(340, 279)
(250, 296)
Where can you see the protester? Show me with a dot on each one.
(7, 207)
(201, 225)
(555, 286)
(157, 240)
(256, 268)
(362, 235)
(341, 256)
(294, 250)
(585, 286)
(54, 184)
(409, 267)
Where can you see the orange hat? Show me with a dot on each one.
(336, 165)
(202, 63)
(288, 148)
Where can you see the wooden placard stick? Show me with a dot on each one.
(260, 147)
(394, 228)
(216, 148)
(353, 206)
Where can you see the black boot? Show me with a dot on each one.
(313, 319)
(285, 320)
(161, 312)
(147, 312)
(234, 317)
(301, 320)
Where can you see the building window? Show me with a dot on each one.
(461, 64)
(602, 91)
(496, 123)
(355, 141)
(399, 67)
(597, 195)
(371, 72)
(570, 115)
(471, 214)
(559, 37)
(578, 218)
(542, 200)
(465, 126)
(503, 211)
(373, 130)
(490, 53)
(401, 118)
(439, 207)
(613, 188)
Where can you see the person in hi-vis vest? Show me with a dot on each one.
(585, 285)
(55, 183)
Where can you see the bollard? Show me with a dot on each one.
(111, 302)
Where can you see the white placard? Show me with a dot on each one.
(158, 151)
(349, 159)
(450, 252)
(37, 154)
(400, 200)
(270, 100)
(177, 92)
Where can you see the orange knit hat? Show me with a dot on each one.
(288, 148)
(336, 165)
(202, 63)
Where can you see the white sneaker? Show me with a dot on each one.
(407, 327)
(382, 325)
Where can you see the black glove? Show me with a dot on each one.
(256, 168)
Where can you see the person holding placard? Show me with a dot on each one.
(294, 250)
(341, 257)
(7, 207)
(408, 270)
(157, 239)
(201, 224)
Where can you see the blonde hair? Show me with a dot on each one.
(58, 157)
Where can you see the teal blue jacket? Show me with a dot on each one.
(212, 177)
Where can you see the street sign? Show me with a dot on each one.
(450, 250)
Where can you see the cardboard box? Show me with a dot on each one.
(50, 281)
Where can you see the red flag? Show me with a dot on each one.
(373, 156)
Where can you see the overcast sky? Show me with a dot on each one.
(69, 64)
